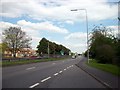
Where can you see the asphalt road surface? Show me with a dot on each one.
(53, 74)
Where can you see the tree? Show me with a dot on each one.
(3, 48)
(53, 47)
(43, 46)
(105, 54)
(102, 46)
(16, 39)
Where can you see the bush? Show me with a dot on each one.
(105, 54)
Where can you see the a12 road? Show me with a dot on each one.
(53, 74)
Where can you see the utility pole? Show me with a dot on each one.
(48, 50)
(54, 50)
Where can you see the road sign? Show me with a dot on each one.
(62, 52)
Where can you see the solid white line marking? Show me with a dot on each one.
(60, 71)
(45, 79)
(30, 68)
(64, 69)
(34, 85)
(55, 74)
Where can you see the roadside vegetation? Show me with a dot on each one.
(21, 62)
(104, 49)
(104, 45)
(105, 67)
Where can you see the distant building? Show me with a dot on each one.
(25, 52)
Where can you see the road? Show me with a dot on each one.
(53, 74)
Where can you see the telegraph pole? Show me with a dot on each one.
(48, 50)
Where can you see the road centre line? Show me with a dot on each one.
(34, 85)
(30, 68)
(67, 67)
(56, 74)
(45, 79)
(64, 69)
(53, 63)
(60, 71)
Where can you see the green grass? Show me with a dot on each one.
(105, 67)
(12, 63)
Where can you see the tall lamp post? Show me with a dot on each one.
(87, 30)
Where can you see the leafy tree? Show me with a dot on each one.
(42, 47)
(105, 54)
(102, 45)
(3, 48)
(16, 39)
(53, 47)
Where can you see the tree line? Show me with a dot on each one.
(54, 48)
(104, 46)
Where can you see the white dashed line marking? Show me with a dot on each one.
(60, 71)
(53, 63)
(64, 69)
(30, 68)
(34, 85)
(45, 79)
(55, 74)
(72, 66)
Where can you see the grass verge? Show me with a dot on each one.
(105, 67)
(21, 62)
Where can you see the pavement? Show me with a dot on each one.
(53, 74)
(108, 79)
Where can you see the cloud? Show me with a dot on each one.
(5, 25)
(69, 22)
(75, 47)
(115, 30)
(76, 41)
(113, 27)
(59, 10)
(35, 41)
(35, 27)
(45, 26)
(76, 35)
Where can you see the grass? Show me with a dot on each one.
(105, 67)
(21, 62)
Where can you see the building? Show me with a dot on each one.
(25, 52)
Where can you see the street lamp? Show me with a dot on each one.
(87, 30)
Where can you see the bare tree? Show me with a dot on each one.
(16, 39)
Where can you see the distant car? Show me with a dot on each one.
(73, 57)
